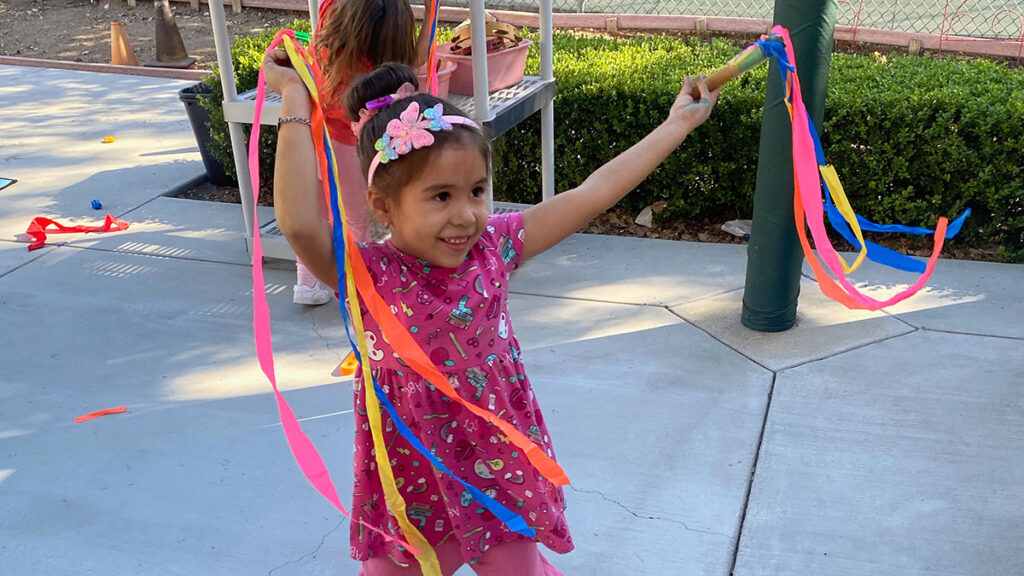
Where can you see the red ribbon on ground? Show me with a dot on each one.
(41, 225)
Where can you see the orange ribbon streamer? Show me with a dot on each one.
(98, 413)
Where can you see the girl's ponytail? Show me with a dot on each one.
(383, 81)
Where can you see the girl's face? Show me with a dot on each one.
(440, 214)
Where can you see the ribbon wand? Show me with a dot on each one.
(746, 60)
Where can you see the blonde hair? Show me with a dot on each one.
(357, 36)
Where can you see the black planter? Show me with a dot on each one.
(199, 116)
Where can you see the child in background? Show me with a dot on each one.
(446, 269)
(353, 37)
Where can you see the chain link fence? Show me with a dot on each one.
(966, 18)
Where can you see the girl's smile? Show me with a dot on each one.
(456, 243)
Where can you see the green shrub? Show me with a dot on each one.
(611, 94)
(916, 139)
(246, 57)
(912, 138)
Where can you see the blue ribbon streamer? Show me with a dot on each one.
(433, 23)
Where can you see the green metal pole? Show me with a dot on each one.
(774, 257)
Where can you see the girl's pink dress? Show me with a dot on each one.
(460, 318)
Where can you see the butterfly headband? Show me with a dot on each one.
(412, 131)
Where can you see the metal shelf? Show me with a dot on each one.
(507, 107)
(512, 105)
(243, 109)
(498, 112)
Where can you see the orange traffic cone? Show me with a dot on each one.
(121, 52)
(170, 50)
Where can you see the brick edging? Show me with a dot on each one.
(988, 47)
(171, 73)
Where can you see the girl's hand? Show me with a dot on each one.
(278, 71)
(693, 114)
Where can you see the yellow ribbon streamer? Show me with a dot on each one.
(835, 187)
(831, 178)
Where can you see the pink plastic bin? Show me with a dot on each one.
(444, 77)
(504, 68)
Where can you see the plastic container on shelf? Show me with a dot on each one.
(504, 68)
(444, 77)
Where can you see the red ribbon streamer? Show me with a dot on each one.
(41, 225)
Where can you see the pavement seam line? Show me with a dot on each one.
(706, 297)
(133, 209)
(578, 299)
(642, 517)
(719, 340)
(327, 341)
(753, 474)
(962, 333)
(896, 316)
(851, 349)
(27, 262)
(643, 304)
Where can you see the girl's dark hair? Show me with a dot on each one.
(357, 36)
(391, 177)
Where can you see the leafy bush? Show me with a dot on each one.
(912, 138)
(611, 94)
(916, 139)
(246, 57)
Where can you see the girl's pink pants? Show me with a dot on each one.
(512, 559)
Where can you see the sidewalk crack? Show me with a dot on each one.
(320, 335)
(309, 554)
(643, 517)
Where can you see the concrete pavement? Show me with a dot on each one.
(885, 443)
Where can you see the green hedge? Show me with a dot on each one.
(912, 138)
(246, 57)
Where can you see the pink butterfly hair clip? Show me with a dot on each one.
(412, 131)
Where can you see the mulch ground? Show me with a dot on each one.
(619, 223)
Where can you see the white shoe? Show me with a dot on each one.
(311, 295)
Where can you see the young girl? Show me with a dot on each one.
(446, 270)
(352, 38)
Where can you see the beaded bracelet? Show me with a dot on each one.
(297, 119)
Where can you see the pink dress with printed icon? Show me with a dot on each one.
(460, 317)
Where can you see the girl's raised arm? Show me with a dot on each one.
(298, 203)
(553, 220)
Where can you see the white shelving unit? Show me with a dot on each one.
(499, 111)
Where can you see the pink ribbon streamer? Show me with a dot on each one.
(305, 453)
(805, 172)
